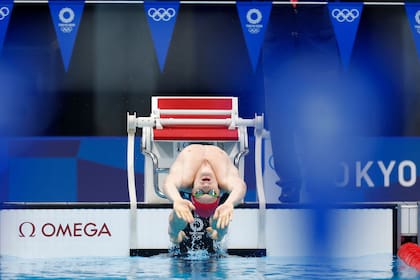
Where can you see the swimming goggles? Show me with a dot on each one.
(200, 193)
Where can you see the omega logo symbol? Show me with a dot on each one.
(26, 229)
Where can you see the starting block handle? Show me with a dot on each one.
(145, 122)
(133, 122)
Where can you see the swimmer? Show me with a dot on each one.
(204, 186)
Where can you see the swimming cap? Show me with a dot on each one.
(205, 210)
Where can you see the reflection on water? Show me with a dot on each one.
(184, 268)
(164, 267)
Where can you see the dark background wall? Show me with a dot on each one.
(114, 68)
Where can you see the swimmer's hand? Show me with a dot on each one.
(179, 238)
(223, 215)
(212, 233)
(183, 208)
(215, 234)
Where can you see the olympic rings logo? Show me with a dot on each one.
(4, 12)
(161, 14)
(345, 15)
(253, 30)
(66, 29)
(254, 16)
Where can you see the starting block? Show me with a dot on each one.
(176, 122)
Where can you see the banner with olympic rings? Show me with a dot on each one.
(6, 7)
(254, 18)
(66, 17)
(345, 18)
(413, 14)
(161, 17)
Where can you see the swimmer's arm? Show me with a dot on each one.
(173, 181)
(236, 188)
(171, 187)
(176, 226)
(230, 181)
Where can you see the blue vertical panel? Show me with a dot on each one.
(102, 169)
(42, 180)
(161, 17)
(254, 18)
(345, 18)
(66, 16)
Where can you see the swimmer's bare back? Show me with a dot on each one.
(195, 155)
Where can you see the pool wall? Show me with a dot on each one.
(44, 233)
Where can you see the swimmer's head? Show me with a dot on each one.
(205, 192)
(205, 178)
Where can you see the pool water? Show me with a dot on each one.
(230, 267)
